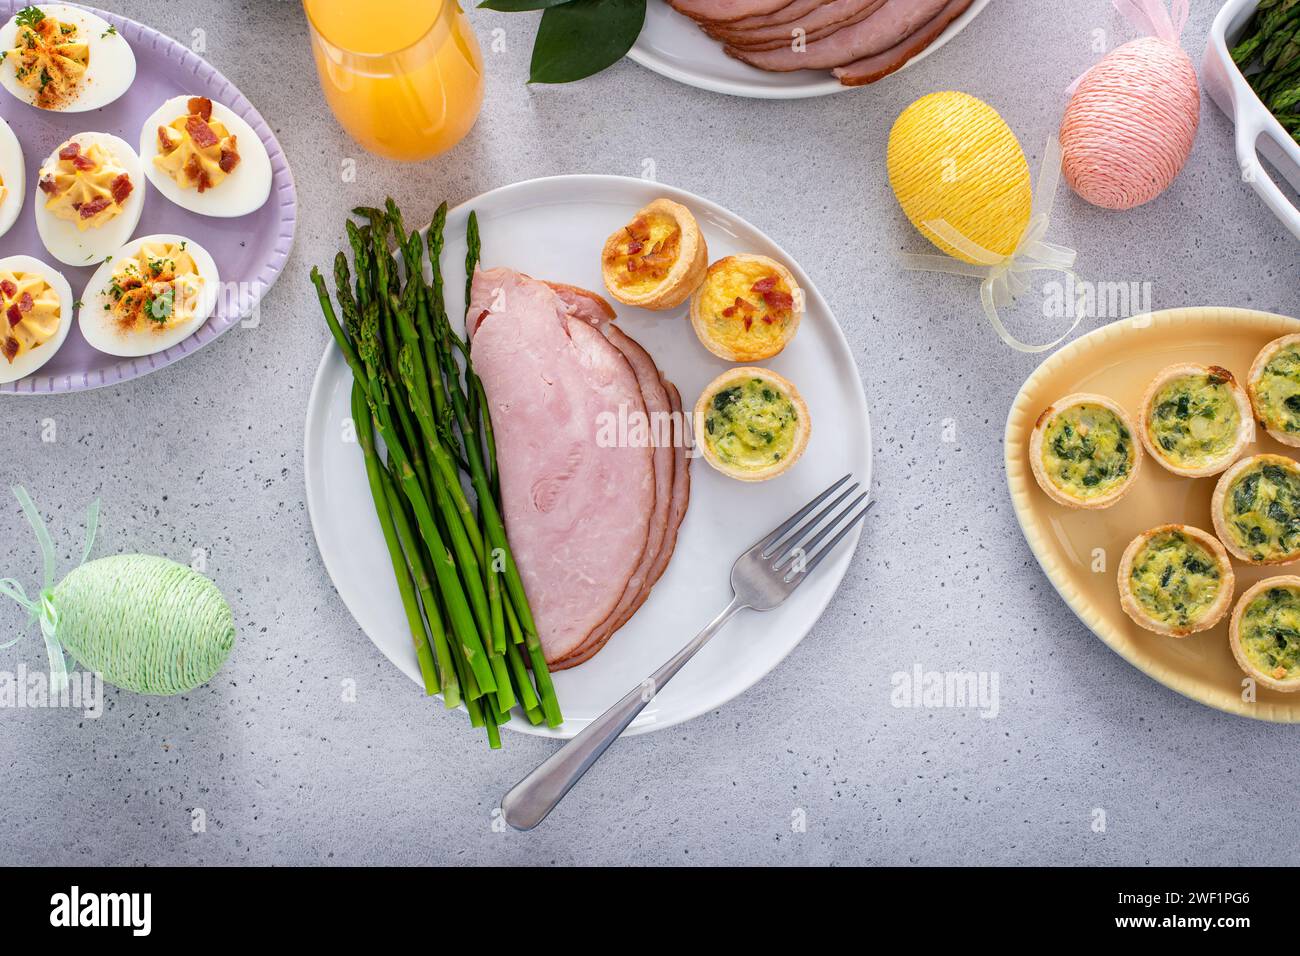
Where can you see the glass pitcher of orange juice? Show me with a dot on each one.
(403, 77)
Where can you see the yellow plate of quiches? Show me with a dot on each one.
(1154, 465)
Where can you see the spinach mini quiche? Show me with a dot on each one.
(1083, 451)
(1196, 419)
(1274, 388)
(1256, 510)
(1265, 633)
(1175, 580)
(751, 424)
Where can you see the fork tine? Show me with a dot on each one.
(791, 544)
(776, 535)
(817, 558)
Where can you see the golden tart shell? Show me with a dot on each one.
(682, 278)
(803, 427)
(1245, 422)
(1221, 496)
(1234, 633)
(1054, 491)
(1213, 614)
(729, 339)
(1265, 355)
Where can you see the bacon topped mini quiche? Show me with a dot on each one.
(748, 308)
(658, 259)
(1196, 419)
(1083, 451)
(1175, 580)
(1265, 633)
(1256, 510)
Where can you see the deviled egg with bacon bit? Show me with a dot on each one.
(62, 58)
(151, 294)
(35, 315)
(89, 196)
(205, 158)
(12, 177)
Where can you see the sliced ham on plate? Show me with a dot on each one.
(594, 466)
(872, 68)
(719, 11)
(577, 512)
(892, 23)
(822, 22)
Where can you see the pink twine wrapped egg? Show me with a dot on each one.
(1129, 126)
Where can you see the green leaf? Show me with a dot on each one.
(583, 37)
(520, 6)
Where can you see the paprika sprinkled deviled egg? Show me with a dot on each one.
(205, 158)
(89, 196)
(154, 292)
(13, 180)
(35, 315)
(65, 59)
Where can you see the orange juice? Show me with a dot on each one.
(403, 77)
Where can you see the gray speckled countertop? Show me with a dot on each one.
(208, 454)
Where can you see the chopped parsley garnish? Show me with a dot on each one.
(46, 79)
(29, 16)
(160, 309)
(110, 32)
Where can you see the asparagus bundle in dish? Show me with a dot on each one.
(1268, 54)
(414, 389)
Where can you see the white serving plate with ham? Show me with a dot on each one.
(672, 45)
(554, 228)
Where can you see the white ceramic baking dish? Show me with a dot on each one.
(1258, 131)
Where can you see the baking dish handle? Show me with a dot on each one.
(1249, 128)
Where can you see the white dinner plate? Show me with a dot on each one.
(672, 45)
(554, 228)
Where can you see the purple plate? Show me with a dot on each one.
(249, 251)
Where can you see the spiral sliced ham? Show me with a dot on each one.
(720, 11)
(869, 69)
(577, 511)
(592, 521)
(826, 19)
(860, 41)
(892, 23)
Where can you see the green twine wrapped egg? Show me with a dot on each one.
(147, 624)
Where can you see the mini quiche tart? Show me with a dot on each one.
(658, 259)
(1175, 580)
(1265, 633)
(1196, 419)
(751, 424)
(748, 308)
(1083, 452)
(1274, 388)
(1256, 510)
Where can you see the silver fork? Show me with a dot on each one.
(761, 579)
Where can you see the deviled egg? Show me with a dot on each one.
(62, 58)
(12, 177)
(151, 294)
(205, 158)
(89, 196)
(35, 315)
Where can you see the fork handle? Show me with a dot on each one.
(531, 799)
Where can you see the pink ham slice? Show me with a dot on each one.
(586, 305)
(676, 514)
(658, 409)
(721, 11)
(577, 511)
(872, 68)
(889, 26)
(792, 11)
(825, 20)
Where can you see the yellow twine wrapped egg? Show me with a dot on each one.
(951, 157)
